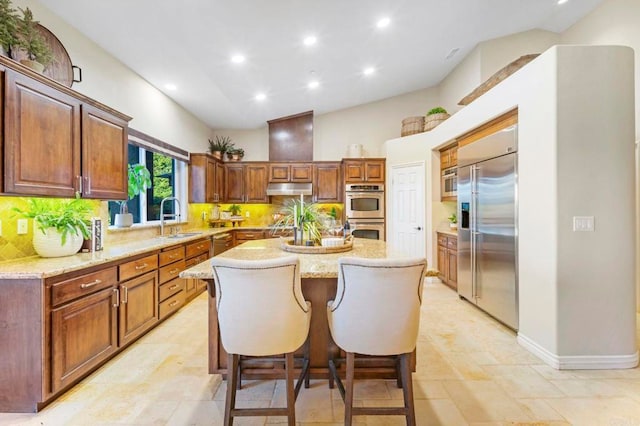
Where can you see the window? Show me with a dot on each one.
(168, 179)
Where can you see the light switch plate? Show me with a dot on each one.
(583, 224)
(22, 226)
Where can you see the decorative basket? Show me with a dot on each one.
(412, 125)
(433, 120)
(286, 244)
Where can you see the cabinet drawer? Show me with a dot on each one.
(171, 255)
(249, 235)
(170, 288)
(195, 260)
(442, 240)
(199, 247)
(138, 267)
(452, 243)
(171, 271)
(172, 304)
(73, 288)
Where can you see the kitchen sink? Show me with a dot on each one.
(184, 235)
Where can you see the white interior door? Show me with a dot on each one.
(407, 212)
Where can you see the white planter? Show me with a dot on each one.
(49, 244)
(123, 220)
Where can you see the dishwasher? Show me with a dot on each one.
(222, 243)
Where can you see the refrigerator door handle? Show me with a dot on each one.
(473, 229)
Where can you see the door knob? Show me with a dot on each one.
(418, 228)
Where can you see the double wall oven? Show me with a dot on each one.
(364, 209)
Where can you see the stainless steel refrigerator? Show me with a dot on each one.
(487, 225)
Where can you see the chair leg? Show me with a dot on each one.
(291, 398)
(407, 389)
(348, 399)
(239, 372)
(232, 375)
(398, 373)
(307, 358)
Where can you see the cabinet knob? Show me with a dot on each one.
(418, 228)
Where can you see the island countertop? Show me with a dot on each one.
(311, 265)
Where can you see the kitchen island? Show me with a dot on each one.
(319, 274)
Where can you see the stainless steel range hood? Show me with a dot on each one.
(289, 189)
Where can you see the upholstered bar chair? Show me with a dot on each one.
(261, 312)
(376, 312)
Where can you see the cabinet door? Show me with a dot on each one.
(445, 159)
(301, 172)
(256, 183)
(83, 334)
(327, 183)
(452, 265)
(235, 183)
(279, 172)
(219, 182)
(374, 171)
(41, 139)
(354, 171)
(104, 155)
(138, 306)
(210, 181)
(443, 267)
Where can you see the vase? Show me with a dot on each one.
(123, 220)
(49, 243)
(34, 65)
(217, 154)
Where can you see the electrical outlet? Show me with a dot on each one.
(22, 226)
(583, 224)
(247, 214)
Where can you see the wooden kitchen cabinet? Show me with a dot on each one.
(206, 179)
(448, 157)
(138, 310)
(196, 252)
(240, 237)
(247, 183)
(327, 182)
(364, 170)
(60, 143)
(290, 172)
(448, 259)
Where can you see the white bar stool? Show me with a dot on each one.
(261, 312)
(376, 312)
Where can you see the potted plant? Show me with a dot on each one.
(235, 154)
(453, 221)
(235, 210)
(32, 42)
(434, 117)
(8, 26)
(219, 146)
(59, 225)
(139, 180)
(309, 214)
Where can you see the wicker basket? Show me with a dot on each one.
(433, 120)
(412, 125)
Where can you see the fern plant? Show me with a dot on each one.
(66, 216)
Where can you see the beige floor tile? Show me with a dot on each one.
(312, 405)
(598, 411)
(207, 413)
(539, 410)
(252, 390)
(521, 381)
(587, 388)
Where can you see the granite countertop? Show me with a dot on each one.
(448, 231)
(311, 265)
(36, 267)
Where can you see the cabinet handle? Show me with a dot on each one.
(200, 247)
(79, 184)
(172, 304)
(117, 292)
(139, 267)
(173, 271)
(91, 284)
(88, 184)
(172, 256)
(125, 294)
(173, 287)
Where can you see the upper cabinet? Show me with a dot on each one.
(59, 143)
(290, 172)
(364, 170)
(449, 157)
(327, 182)
(247, 183)
(206, 179)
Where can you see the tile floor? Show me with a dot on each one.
(470, 371)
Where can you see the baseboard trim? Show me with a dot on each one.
(580, 362)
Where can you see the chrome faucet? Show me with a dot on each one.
(163, 216)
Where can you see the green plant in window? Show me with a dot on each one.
(139, 180)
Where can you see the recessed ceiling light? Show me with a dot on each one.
(313, 84)
(562, 1)
(310, 40)
(369, 71)
(383, 22)
(237, 59)
(170, 86)
(261, 97)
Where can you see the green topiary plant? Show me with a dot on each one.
(437, 110)
(8, 25)
(31, 40)
(66, 216)
(221, 143)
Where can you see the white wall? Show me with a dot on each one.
(564, 280)
(110, 82)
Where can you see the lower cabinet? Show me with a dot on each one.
(138, 306)
(448, 259)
